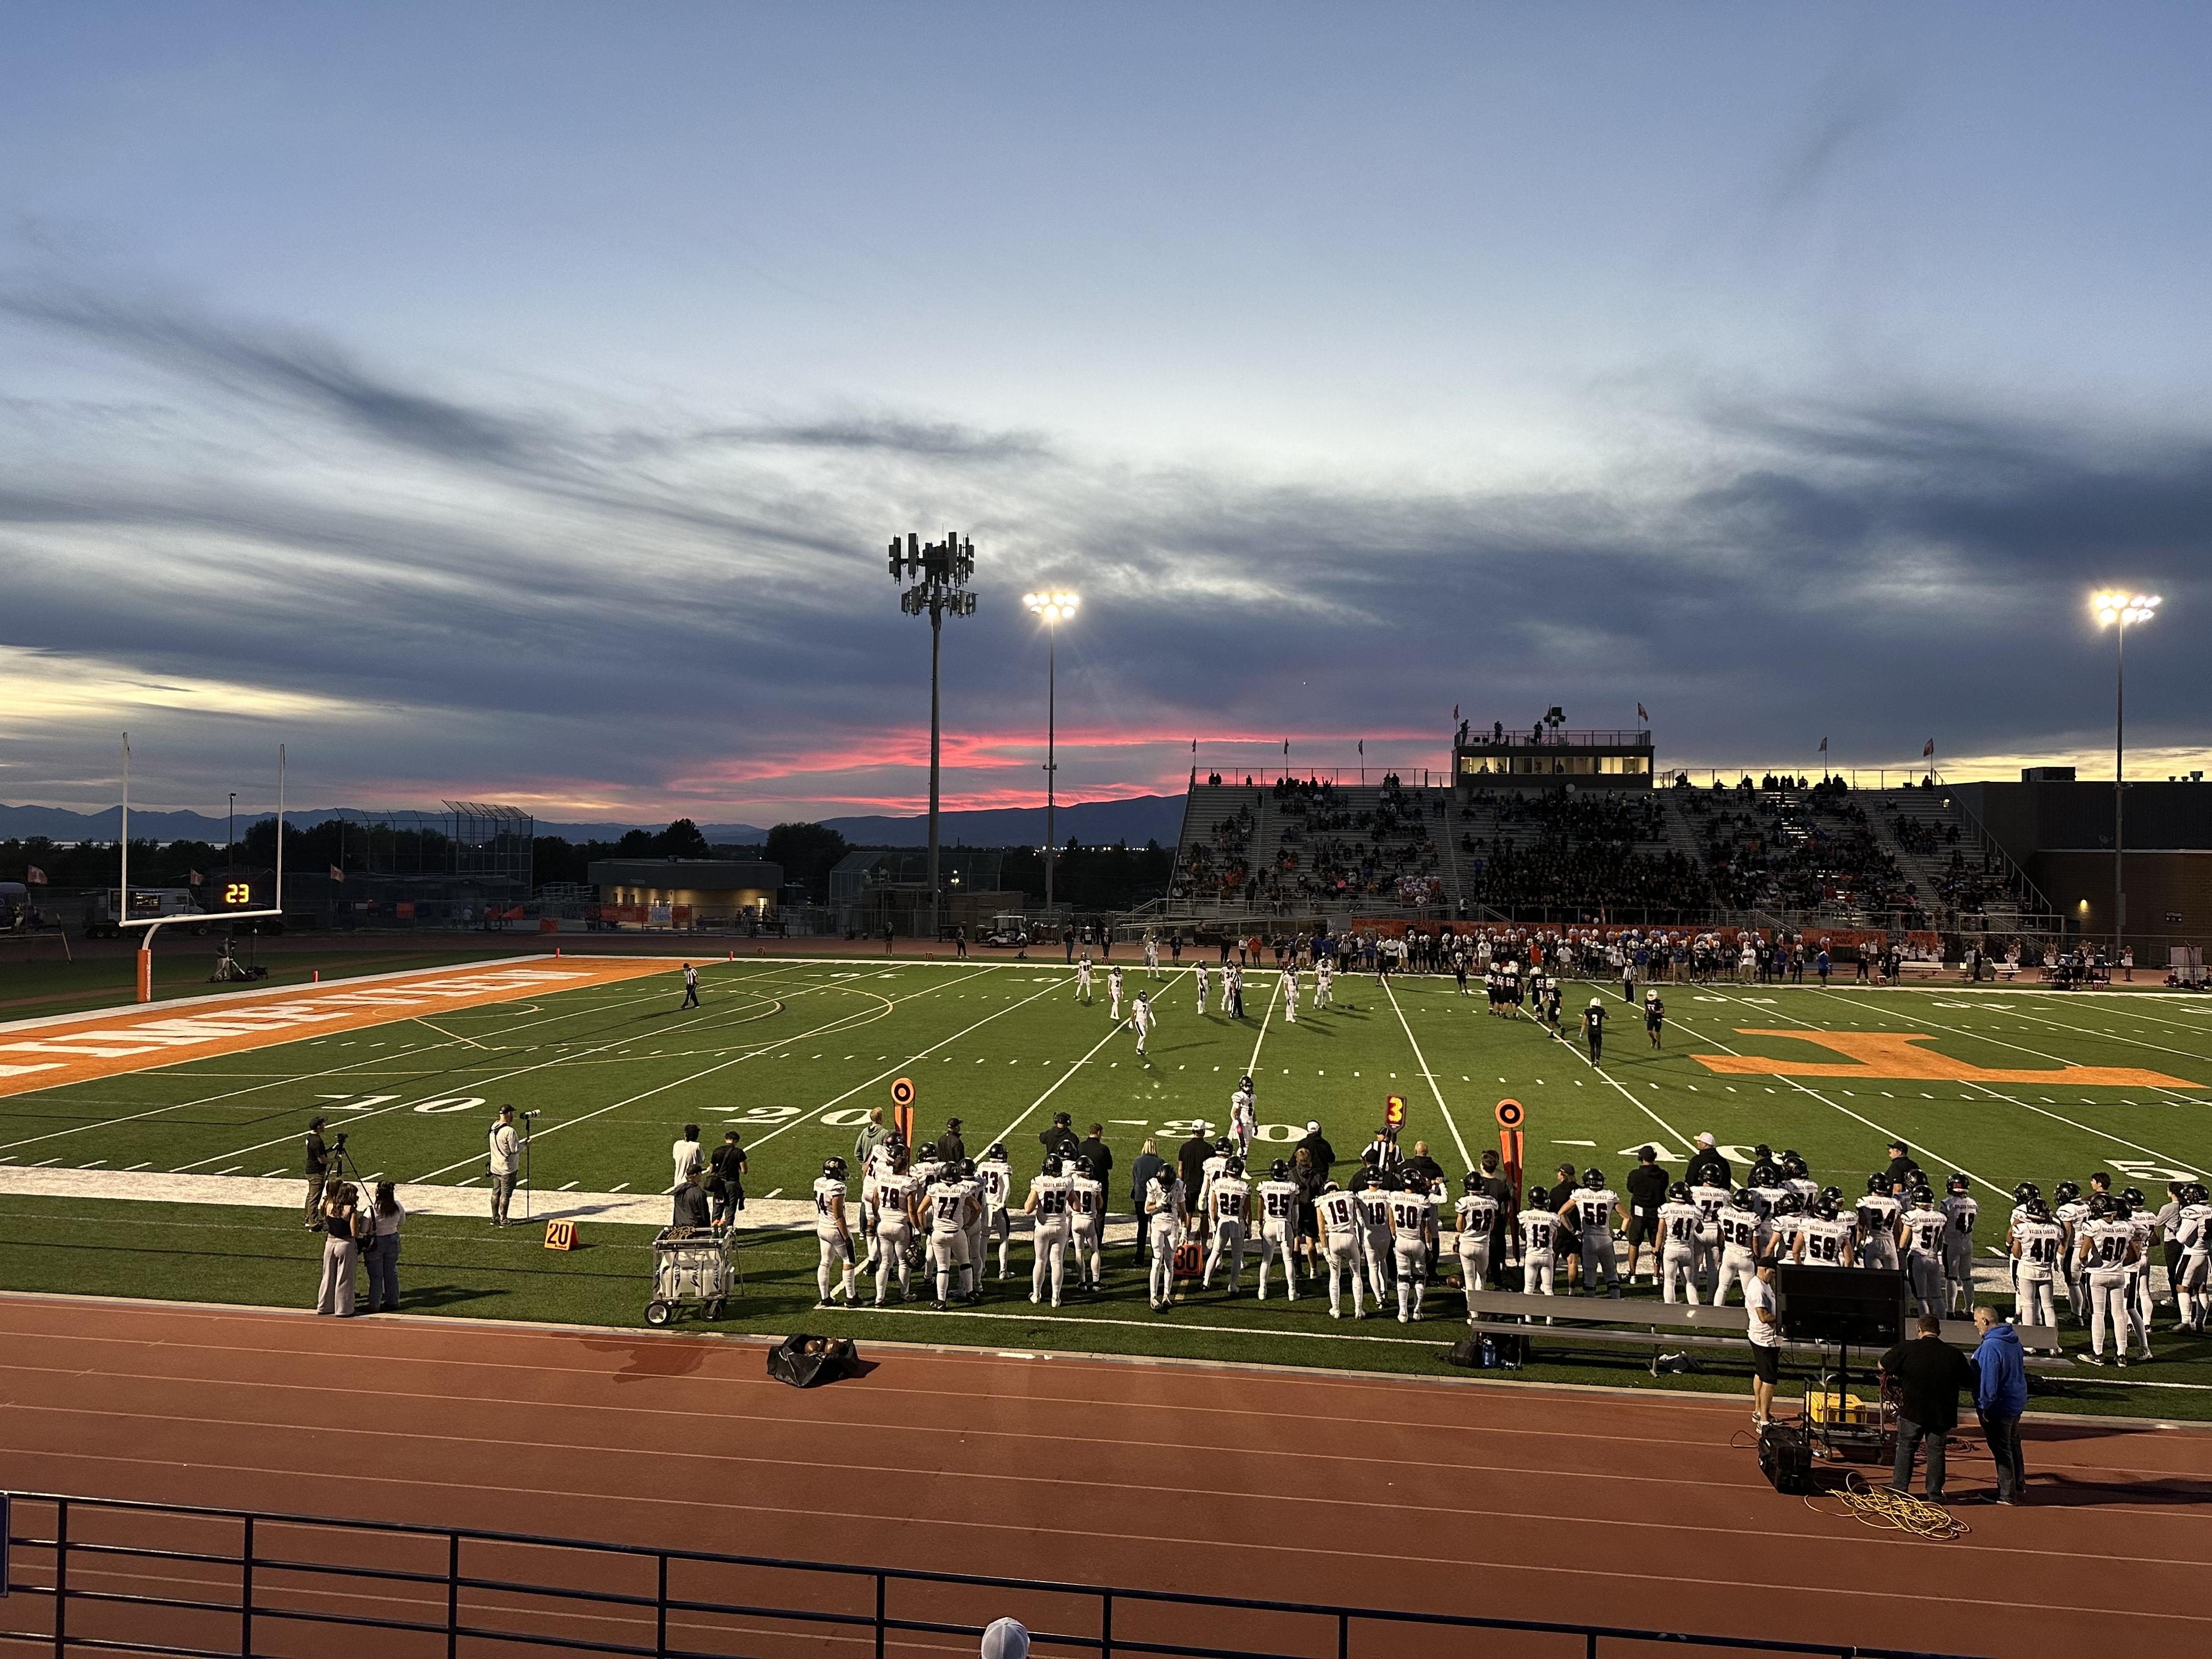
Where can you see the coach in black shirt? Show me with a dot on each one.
(950, 1147)
(1316, 1145)
(1192, 1156)
(1902, 1168)
(1100, 1154)
(1930, 1373)
(1707, 1167)
(1060, 1137)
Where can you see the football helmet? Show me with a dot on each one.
(995, 1152)
(1922, 1197)
(1594, 1178)
(1744, 1199)
(2066, 1191)
(2122, 1209)
(1793, 1166)
(1789, 1204)
(1234, 1168)
(1679, 1191)
(1052, 1164)
(1278, 1170)
(2036, 1209)
(1083, 1164)
(2132, 1197)
(1762, 1153)
(1832, 1196)
(1330, 1186)
(1878, 1181)
(1225, 1146)
(2101, 1205)
(1245, 1083)
(1956, 1184)
(1765, 1174)
(1824, 1206)
(967, 1169)
(1471, 1184)
(833, 1169)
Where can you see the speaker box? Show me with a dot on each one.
(807, 1362)
(1863, 1307)
(1785, 1458)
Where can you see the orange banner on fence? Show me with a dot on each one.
(1892, 1054)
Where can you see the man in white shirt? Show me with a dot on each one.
(1764, 1330)
(503, 1163)
(686, 1154)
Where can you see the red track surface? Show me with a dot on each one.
(1517, 1502)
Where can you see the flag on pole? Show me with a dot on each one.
(1929, 749)
(1823, 746)
(34, 877)
(1194, 745)
(1640, 715)
(336, 874)
(1363, 745)
(194, 878)
(1455, 711)
(1286, 748)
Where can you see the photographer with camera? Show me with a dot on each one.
(318, 1171)
(504, 1163)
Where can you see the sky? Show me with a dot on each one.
(514, 403)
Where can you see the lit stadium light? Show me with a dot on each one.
(2119, 608)
(1054, 607)
(2123, 608)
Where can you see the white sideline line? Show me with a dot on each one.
(1112, 1032)
(1450, 1122)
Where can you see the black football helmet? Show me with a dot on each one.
(1225, 1146)
(1789, 1204)
(1245, 1083)
(1471, 1184)
(2028, 1189)
(2101, 1205)
(995, 1152)
(967, 1169)
(833, 1169)
(2122, 1209)
(1679, 1191)
(1083, 1164)
(1052, 1164)
(1878, 1181)
(1956, 1183)
(1765, 1174)
(1793, 1166)
(1762, 1153)
(1922, 1198)
(1278, 1170)
(2036, 1209)
(2132, 1197)
(2066, 1191)
(1824, 1204)
(1234, 1168)
(1744, 1199)
(1594, 1178)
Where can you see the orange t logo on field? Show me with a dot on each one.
(1892, 1054)
(49, 1054)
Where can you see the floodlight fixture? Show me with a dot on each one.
(1054, 606)
(2119, 609)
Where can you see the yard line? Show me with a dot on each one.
(1252, 1066)
(572, 1187)
(1998, 1094)
(1682, 1140)
(1450, 1122)
(890, 1003)
(807, 1116)
(1110, 1034)
(443, 1032)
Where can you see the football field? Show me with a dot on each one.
(2003, 1084)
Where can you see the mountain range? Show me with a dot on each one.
(1136, 820)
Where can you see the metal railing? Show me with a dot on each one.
(122, 1577)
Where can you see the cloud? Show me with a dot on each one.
(640, 611)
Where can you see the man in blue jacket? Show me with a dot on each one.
(2000, 1395)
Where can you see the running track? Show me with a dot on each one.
(1516, 1501)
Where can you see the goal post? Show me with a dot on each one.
(153, 925)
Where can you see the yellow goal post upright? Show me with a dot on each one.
(154, 924)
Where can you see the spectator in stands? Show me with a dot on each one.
(1929, 1372)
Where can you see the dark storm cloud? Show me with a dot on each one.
(608, 601)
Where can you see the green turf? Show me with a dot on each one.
(454, 1266)
(791, 1053)
(36, 980)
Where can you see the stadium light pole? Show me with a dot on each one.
(1055, 608)
(2116, 609)
(939, 575)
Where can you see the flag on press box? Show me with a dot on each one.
(336, 874)
(1640, 715)
(34, 877)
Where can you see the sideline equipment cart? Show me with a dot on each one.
(691, 1268)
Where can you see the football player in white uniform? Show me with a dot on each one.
(1243, 1115)
(1152, 955)
(1083, 979)
(1338, 1213)
(833, 1230)
(1960, 1212)
(1210, 1172)
(894, 1213)
(1476, 1213)
(2107, 1245)
(1230, 1201)
(1920, 1236)
(2071, 1211)
(1142, 1019)
(1412, 1214)
(1086, 1220)
(886, 1153)
(977, 1214)
(1590, 1213)
(1742, 1229)
(1878, 1212)
(2144, 1220)
(996, 1175)
(2193, 1232)
(1289, 979)
(1375, 1249)
(1113, 995)
(1324, 976)
(1786, 1226)
(1829, 1238)
(1798, 1179)
(1047, 1207)
(948, 1203)
(2037, 1244)
(1540, 1232)
(1202, 984)
(1680, 1223)
(1711, 1201)
(1277, 1204)
(1165, 1213)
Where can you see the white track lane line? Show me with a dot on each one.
(850, 1022)
(278, 1082)
(1997, 1094)
(1450, 1122)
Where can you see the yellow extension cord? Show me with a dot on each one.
(1891, 1511)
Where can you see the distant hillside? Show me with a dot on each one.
(1136, 820)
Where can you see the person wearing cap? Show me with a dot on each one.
(503, 1163)
(1060, 1138)
(1707, 1167)
(950, 1147)
(318, 1170)
(1005, 1638)
(1316, 1143)
(1594, 1029)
